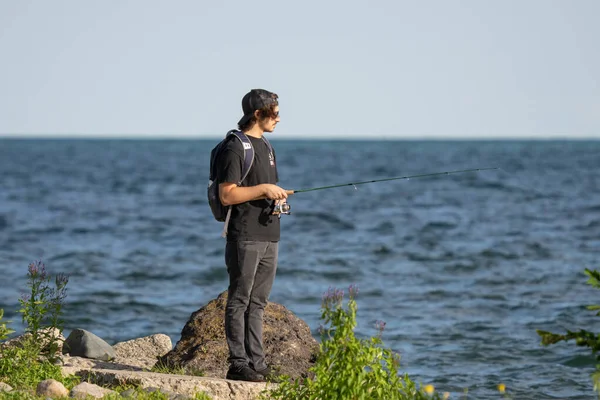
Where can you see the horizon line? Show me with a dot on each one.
(368, 137)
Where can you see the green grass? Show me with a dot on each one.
(161, 368)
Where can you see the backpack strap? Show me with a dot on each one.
(248, 161)
(248, 152)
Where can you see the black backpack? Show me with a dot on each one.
(221, 212)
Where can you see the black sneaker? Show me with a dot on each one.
(244, 373)
(270, 374)
(265, 372)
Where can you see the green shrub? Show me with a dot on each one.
(20, 368)
(348, 367)
(583, 337)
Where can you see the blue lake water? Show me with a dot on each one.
(462, 268)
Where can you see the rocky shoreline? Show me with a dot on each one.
(133, 365)
(199, 358)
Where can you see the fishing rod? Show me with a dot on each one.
(284, 207)
(393, 179)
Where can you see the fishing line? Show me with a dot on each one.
(285, 207)
(393, 179)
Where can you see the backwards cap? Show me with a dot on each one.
(255, 100)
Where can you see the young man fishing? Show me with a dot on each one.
(252, 235)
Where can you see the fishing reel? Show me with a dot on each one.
(281, 207)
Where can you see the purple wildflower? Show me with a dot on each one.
(353, 290)
(333, 297)
(61, 280)
(37, 269)
(380, 325)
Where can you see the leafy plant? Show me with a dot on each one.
(348, 367)
(41, 308)
(4, 331)
(21, 369)
(20, 362)
(582, 337)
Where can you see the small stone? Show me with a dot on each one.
(51, 388)
(5, 387)
(85, 389)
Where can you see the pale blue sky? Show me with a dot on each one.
(418, 69)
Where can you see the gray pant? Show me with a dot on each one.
(251, 266)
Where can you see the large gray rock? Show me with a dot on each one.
(289, 345)
(82, 343)
(142, 352)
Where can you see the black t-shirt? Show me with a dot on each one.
(251, 220)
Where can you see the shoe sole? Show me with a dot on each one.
(243, 378)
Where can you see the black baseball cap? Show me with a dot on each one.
(255, 100)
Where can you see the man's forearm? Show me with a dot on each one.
(242, 194)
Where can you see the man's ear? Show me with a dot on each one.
(257, 114)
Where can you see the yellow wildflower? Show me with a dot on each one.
(429, 389)
(501, 387)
